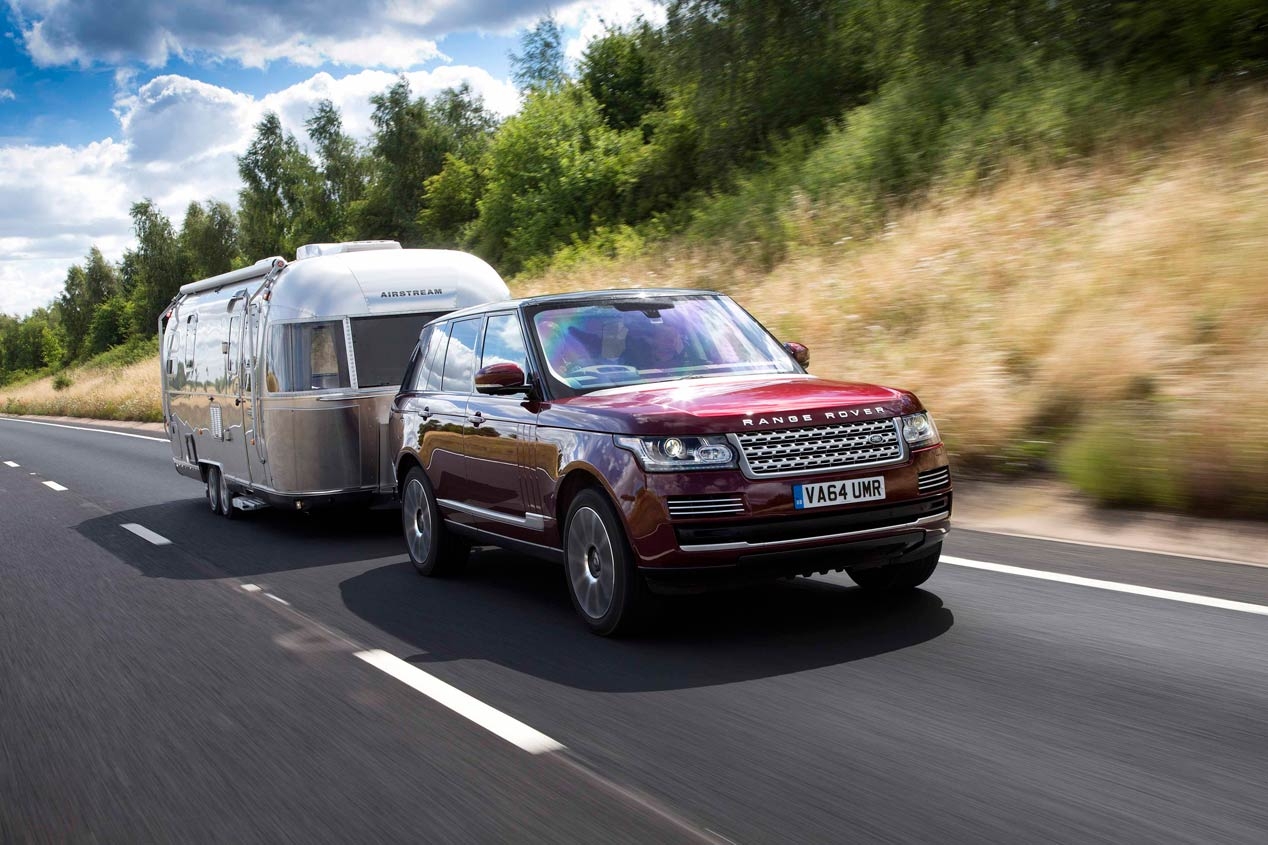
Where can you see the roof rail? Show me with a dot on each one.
(255, 271)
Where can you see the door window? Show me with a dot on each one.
(460, 357)
(504, 342)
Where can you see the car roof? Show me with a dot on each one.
(577, 296)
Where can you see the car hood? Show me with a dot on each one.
(718, 405)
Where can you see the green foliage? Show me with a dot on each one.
(125, 354)
(413, 141)
(539, 66)
(554, 171)
(1125, 458)
(618, 71)
(154, 271)
(278, 178)
(209, 239)
(61, 381)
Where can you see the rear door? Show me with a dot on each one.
(435, 411)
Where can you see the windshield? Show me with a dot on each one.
(597, 345)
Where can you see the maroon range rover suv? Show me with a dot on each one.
(658, 439)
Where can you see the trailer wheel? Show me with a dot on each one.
(226, 497)
(213, 489)
(432, 549)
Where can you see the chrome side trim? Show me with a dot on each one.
(742, 545)
(531, 521)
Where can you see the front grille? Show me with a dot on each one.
(691, 507)
(821, 448)
(933, 479)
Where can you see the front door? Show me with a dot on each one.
(498, 441)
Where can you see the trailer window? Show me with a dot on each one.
(381, 346)
(307, 356)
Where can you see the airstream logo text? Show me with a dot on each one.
(835, 416)
(387, 294)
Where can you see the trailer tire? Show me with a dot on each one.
(433, 550)
(226, 497)
(213, 489)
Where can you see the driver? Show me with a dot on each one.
(655, 346)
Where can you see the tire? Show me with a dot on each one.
(606, 590)
(898, 577)
(213, 489)
(432, 549)
(226, 497)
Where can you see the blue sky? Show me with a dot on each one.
(104, 102)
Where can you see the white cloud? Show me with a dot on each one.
(179, 144)
(6, 94)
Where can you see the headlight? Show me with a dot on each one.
(666, 454)
(919, 430)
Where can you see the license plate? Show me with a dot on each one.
(838, 492)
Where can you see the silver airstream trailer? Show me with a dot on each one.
(277, 378)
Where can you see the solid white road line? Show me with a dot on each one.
(12, 464)
(511, 730)
(146, 534)
(86, 428)
(53, 485)
(1114, 586)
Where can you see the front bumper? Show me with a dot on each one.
(741, 561)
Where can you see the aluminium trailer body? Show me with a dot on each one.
(277, 379)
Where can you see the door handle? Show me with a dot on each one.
(476, 418)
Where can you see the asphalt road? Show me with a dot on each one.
(230, 686)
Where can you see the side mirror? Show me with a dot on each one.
(799, 352)
(501, 379)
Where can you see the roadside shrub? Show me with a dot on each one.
(1125, 457)
(61, 381)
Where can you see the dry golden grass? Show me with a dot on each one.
(127, 393)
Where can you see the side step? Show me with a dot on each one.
(248, 503)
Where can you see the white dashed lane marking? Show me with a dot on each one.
(12, 464)
(508, 728)
(53, 485)
(146, 534)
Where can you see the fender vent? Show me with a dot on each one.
(933, 479)
(694, 507)
(217, 427)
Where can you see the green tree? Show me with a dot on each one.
(209, 239)
(554, 172)
(154, 270)
(618, 71)
(343, 169)
(539, 66)
(278, 179)
(408, 147)
(87, 287)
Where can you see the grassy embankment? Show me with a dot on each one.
(1106, 320)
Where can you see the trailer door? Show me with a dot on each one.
(249, 356)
